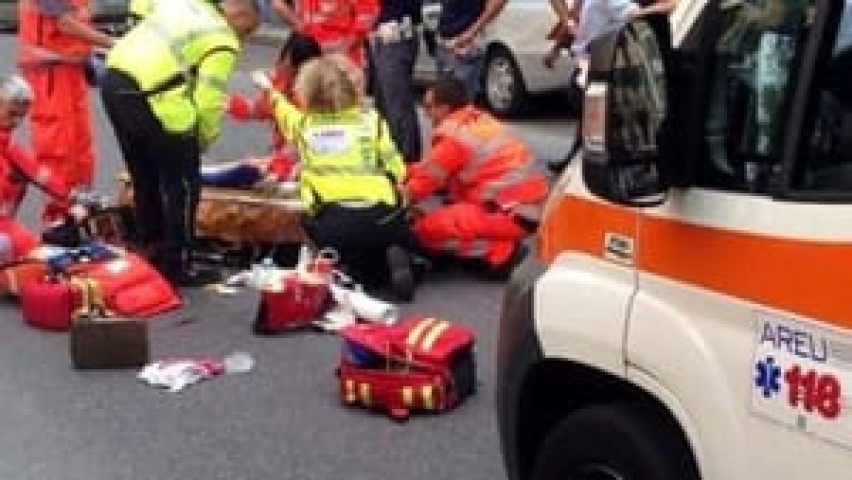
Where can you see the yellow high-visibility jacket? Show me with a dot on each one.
(181, 55)
(345, 156)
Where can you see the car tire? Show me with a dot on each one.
(504, 91)
(620, 441)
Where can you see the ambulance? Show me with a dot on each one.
(686, 312)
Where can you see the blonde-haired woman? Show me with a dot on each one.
(350, 173)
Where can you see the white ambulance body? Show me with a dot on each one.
(687, 312)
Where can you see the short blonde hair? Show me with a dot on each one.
(328, 84)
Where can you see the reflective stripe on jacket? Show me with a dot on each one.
(185, 51)
(344, 156)
(477, 159)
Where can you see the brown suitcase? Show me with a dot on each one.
(109, 342)
(241, 216)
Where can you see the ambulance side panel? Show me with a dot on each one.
(731, 287)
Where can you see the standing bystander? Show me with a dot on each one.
(394, 43)
(55, 41)
(459, 52)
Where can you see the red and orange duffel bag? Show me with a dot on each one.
(424, 364)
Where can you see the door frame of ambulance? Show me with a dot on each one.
(737, 323)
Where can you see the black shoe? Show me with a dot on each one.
(401, 273)
(195, 277)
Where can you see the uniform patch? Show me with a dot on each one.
(329, 140)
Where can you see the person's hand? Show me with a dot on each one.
(239, 108)
(261, 80)
(552, 56)
(78, 212)
(462, 43)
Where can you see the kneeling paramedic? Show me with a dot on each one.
(493, 191)
(164, 94)
(18, 168)
(350, 175)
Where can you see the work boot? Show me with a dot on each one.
(401, 273)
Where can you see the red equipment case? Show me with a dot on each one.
(418, 364)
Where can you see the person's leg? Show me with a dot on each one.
(179, 163)
(136, 129)
(469, 232)
(75, 163)
(467, 67)
(393, 87)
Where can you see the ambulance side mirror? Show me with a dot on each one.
(623, 107)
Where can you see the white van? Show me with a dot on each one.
(687, 312)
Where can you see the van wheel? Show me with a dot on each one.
(503, 85)
(614, 442)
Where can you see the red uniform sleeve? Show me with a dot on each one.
(41, 176)
(445, 158)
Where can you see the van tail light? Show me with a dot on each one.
(594, 117)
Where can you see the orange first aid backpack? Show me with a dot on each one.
(422, 364)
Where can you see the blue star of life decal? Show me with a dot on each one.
(767, 377)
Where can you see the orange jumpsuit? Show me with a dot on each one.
(17, 169)
(339, 26)
(52, 63)
(490, 181)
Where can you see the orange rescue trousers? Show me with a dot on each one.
(470, 231)
(61, 127)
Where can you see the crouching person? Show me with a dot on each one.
(18, 168)
(350, 175)
(491, 191)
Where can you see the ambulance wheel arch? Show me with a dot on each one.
(564, 404)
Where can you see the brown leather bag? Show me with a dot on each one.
(96, 340)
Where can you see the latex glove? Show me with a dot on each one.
(261, 80)
(239, 108)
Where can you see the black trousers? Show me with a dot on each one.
(362, 236)
(163, 166)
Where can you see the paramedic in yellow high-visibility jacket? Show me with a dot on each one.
(350, 173)
(164, 93)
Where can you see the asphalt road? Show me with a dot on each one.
(281, 421)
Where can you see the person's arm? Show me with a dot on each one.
(388, 153)
(491, 10)
(42, 177)
(210, 95)
(659, 7)
(433, 172)
(286, 13)
(69, 24)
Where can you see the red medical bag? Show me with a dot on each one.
(51, 303)
(418, 364)
(130, 286)
(295, 303)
